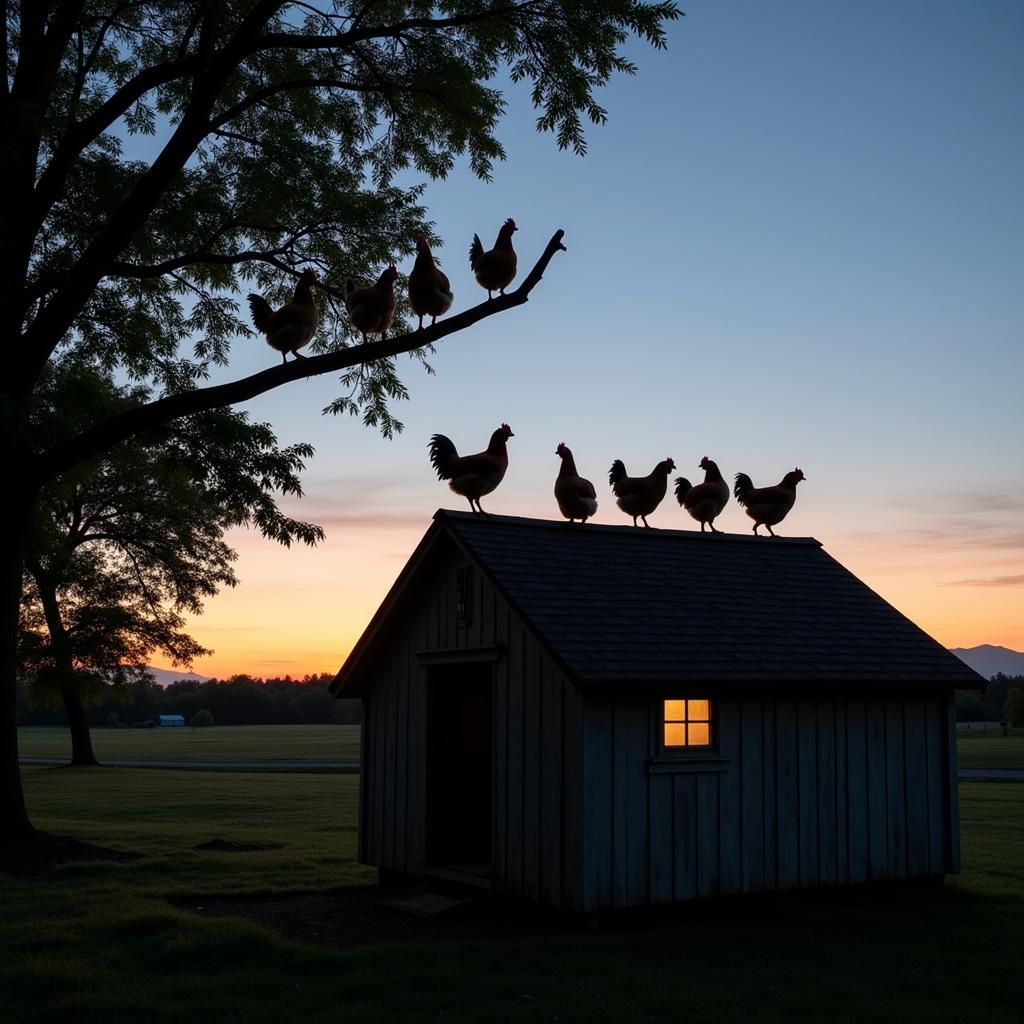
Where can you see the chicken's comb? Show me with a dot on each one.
(510, 223)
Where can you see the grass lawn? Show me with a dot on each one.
(271, 743)
(98, 942)
(981, 751)
(216, 743)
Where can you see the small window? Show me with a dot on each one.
(686, 724)
(464, 595)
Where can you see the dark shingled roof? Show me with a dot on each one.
(619, 604)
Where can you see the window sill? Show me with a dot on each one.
(680, 764)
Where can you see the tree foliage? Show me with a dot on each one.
(161, 158)
(126, 543)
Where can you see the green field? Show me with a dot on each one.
(981, 751)
(270, 743)
(100, 943)
(216, 743)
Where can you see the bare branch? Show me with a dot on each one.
(104, 435)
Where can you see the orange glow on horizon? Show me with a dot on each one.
(300, 611)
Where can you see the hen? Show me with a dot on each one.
(639, 496)
(495, 268)
(430, 294)
(576, 496)
(704, 501)
(472, 476)
(767, 505)
(289, 328)
(372, 309)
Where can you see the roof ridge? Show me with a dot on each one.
(720, 537)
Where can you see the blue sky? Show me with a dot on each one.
(799, 240)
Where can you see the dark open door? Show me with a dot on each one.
(459, 765)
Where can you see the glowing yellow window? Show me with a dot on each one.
(687, 723)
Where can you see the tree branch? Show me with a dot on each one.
(106, 434)
(294, 41)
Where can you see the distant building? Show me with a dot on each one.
(171, 721)
(597, 717)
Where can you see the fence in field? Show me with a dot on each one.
(979, 730)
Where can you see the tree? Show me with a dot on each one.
(130, 539)
(201, 719)
(1015, 706)
(277, 127)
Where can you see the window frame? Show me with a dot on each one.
(683, 759)
(680, 748)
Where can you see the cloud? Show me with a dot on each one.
(991, 581)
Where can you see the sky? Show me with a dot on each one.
(798, 241)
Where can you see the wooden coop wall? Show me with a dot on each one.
(537, 787)
(813, 792)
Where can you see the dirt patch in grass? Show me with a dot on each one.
(43, 851)
(351, 918)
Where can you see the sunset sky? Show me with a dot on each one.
(799, 241)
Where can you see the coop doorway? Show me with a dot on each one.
(460, 763)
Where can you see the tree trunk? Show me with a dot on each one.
(14, 822)
(81, 738)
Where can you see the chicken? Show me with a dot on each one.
(472, 476)
(430, 294)
(372, 309)
(289, 328)
(767, 505)
(705, 501)
(576, 496)
(639, 496)
(494, 269)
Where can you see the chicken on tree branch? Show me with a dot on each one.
(145, 417)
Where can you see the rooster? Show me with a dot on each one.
(705, 501)
(767, 505)
(472, 476)
(639, 496)
(372, 309)
(576, 497)
(495, 268)
(289, 328)
(430, 294)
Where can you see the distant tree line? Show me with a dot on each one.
(993, 704)
(240, 700)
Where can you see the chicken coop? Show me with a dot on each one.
(596, 717)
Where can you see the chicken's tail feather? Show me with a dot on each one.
(261, 311)
(744, 485)
(442, 455)
(617, 472)
(476, 250)
(683, 487)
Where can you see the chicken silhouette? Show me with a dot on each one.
(704, 501)
(292, 326)
(767, 506)
(472, 476)
(372, 309)
(639, 496)
(495, 268)
(576, 496)
(430, 294)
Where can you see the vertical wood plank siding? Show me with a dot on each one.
(538, 808)
(813, 791)
(816, 792)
